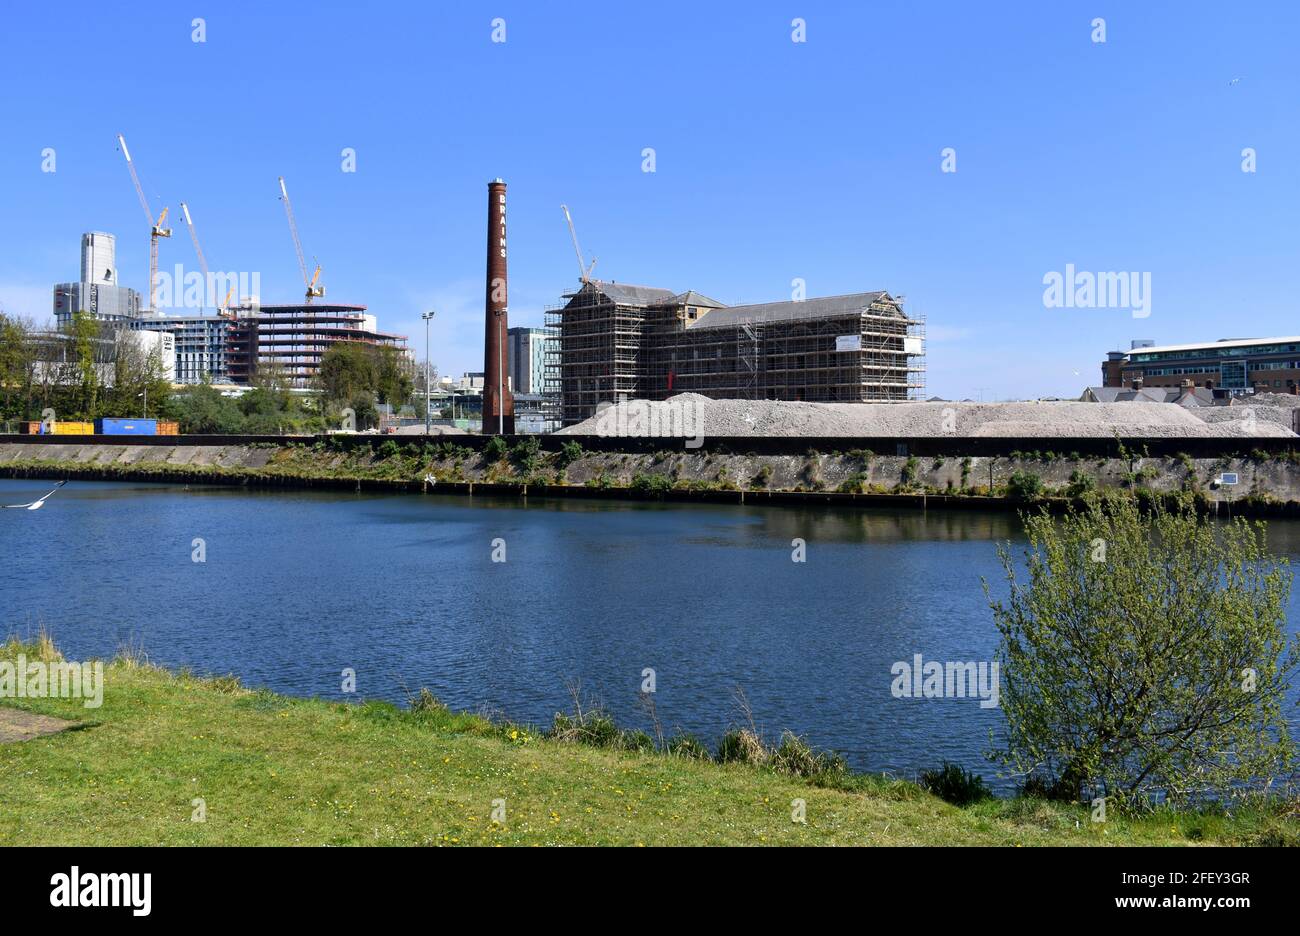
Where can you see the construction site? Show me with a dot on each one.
(224, 340)
(614, 341)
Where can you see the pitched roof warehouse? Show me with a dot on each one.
(616, 340)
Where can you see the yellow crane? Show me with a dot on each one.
(156, 228)
(313, 289)
(584, 271)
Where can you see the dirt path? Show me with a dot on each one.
(17, 725)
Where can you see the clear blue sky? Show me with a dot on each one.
(775, 159)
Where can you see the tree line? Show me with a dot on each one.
(90, 369)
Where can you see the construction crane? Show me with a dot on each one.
(156, 229)
(223, 309)
(194, 236)
(313, 290)
(584, 271)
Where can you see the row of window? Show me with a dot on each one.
(1257, 366)
(1139, 357)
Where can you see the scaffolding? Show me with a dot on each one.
(749, 338)
(598, 347)
(635, 341)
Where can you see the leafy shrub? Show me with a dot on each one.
(636, 741)
(1183, 623)
(496, 448)
(953, 784)
(812, 472)
(527, 454)
(602, 481)
(1080, 484)
(651, 483)
(853, 484)
(570, 452)
(908, 475)
(1024, 486)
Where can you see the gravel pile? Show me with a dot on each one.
(1271, 416)
(1275, 409)
(711, 417)
(1287, 401)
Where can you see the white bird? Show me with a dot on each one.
(1234, 81)
(34, 505)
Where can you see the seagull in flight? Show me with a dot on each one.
(34, 505)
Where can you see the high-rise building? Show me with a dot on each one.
(527, 348)
(97, 293)
(200, 345)
(99, 258)
(289, 340)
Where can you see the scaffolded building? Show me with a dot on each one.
(617, 341)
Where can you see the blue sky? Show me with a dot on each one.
(774, 160)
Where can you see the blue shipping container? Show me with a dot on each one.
(105, 426)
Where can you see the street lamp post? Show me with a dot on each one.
(428, 389)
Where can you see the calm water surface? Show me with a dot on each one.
(299, 585)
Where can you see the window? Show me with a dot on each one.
(1232, 375)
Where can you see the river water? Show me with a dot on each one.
(296, 587)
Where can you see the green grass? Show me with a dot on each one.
(278, 770)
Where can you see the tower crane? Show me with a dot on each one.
(313, 290)
(584, 271)
(223, 309)
(156, 228)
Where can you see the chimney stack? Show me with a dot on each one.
(498, 403)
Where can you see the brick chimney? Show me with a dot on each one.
(498, 402)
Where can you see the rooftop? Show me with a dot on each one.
(825, 307)
(715, 314)
(1210, 345)
(627, 294)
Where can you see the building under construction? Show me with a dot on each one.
(615, 340)
(288, 340)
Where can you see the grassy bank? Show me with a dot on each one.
(277, 770)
